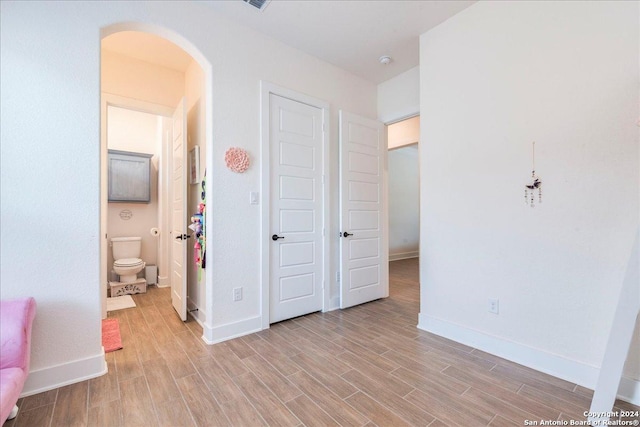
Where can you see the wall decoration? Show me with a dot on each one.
(194, 165)
(198, 228)
(237, 159)
(534, 184)
(126, 214)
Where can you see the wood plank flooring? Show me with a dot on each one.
(365, 366)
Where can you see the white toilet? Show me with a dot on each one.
(126, 254)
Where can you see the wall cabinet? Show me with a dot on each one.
(129, 177)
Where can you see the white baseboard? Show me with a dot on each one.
(198, 315)
(61, 375)
(629, 390)
(216, 334)
(334, 304)
(163, 282)
(404, 255)
(540, 360)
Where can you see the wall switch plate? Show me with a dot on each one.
(253, 198)
(237, 294)
(494, 306)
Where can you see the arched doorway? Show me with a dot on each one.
(129, 95)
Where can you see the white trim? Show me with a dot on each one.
(267, 89)
(334, 303)
(534, 358)
(114, 100)
(196, 315)
(404, 255)
(50, 378)
(392, 119)
(629, 390)
(216, 334)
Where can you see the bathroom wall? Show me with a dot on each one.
(139, 132)
(404, 201)
(403, 133)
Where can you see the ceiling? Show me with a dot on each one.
(350, 34)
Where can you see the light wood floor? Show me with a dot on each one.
(365, 366)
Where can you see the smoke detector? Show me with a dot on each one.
(385, 59)
(258, 4)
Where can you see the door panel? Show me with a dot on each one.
(179, 213)
(296, 199)
(363, 211)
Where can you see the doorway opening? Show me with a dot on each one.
(153, 83)
(404, 189)
(404, 198)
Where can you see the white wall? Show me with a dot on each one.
(403, 133)
(399, 97)
(139, 132)
(494, 78)
(404, 202)
(133, 78)
(50, 91)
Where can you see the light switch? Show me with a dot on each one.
(253, 198)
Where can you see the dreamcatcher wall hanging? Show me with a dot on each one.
(535, 183)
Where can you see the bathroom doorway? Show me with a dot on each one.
(404, 188)
(404, 206)
(143, 78)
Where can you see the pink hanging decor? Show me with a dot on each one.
(237, 159)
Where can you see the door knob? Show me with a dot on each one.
(276, 237)
(347, 234)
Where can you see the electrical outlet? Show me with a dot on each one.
(494, 306)
(237, 294)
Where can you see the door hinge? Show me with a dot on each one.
(338, 276)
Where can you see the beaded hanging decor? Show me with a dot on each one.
(534, 184)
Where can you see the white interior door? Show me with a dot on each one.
(179, 212)
(296, 199)
(364, 251)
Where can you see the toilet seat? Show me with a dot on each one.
(128, 262)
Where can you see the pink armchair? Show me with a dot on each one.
(16, 319)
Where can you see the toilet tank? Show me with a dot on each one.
(126, 247)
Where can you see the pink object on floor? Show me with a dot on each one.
(16, 320)
(111, 340)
